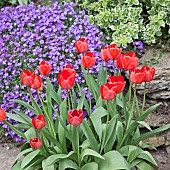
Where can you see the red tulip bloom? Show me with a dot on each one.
(113, 51)
(149, 73)
(37, 83)
(38, 122)
(2, 115)
(137, 76)
(27, 77)
(75, 117)
(88, 60)
(119, 62)
(118, 81)
(44, 68)
(82, 45)
(36, 143)
(129, 61)
(108, 91)
(66, 77)
(104, 54)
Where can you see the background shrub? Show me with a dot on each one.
(127, 20)
(29, 34)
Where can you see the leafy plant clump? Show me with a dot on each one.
(30, 34)
(127, 20)
(107, 138)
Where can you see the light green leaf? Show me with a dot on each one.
(96, 120)
(30, 133)
(23, 153)
(91, 152)
(81, 102)
(143, 165)
(28, 158)
(66, 163)
(89, 135)
(46, 167)
(113, 161)
(56, 158)
(90, 166)
(145, 125)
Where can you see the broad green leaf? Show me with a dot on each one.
(148, 157)
(90, 166)
(143, 165)
(151, 133)
(17, 166)
(102, 77)
(145, 125)
(46, 167)
(30, 133)
(99, 102)
(25, 104)
(16, 118)
(24, 116)
(58, 157)
(119, 131)
(89, 135)
(22, 126)
(81, 102)
(96, 120)
(91, 152)
(27, 159)
(133, 153)
(113, 161)
(35, 105)
(23, 153)
(85, 145)
(56, 96)
(110, 132)
(66, 163)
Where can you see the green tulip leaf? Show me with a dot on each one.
(90, 166)
(66, 163)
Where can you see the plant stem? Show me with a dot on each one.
(105, 65)
(144, 97)
(89, 92)
(130, 93)
(78, 149)
(69, 106)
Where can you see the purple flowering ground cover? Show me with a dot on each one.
(29, 34)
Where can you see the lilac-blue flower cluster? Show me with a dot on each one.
(30, 34)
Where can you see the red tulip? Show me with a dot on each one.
(44, 68)
(37, 83)
(66, 77)
(118, 81)
(2, 115)
(82, 45)
(108, 91)
(75, 117)
(113, 51)
(137, 76)
(39, 122)
(27, 77)
(128, 61)
(104, 54)
(149, 73)
(36, 143)
(88, 60)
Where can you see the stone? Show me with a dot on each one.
(159, 88)
(156, 141)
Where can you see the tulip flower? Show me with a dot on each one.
(2, 115)
(118, 81)
(108, 91)
(149, 73)
(82, 45)
(44, 68)
(27, 77)
(137, 76)
(37, 83)
(111, 52)
(88, 60)
(127, 61)
(75, 117)
(35, 143)
(66, 77)
(38, 122)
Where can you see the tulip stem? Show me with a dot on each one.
(89, 90)
(105, 65)
(130, 91)
(69, 107)
(78, 149)
(50, 124)
(144, 97)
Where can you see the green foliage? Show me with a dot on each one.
(127, 20)
(103, 141)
